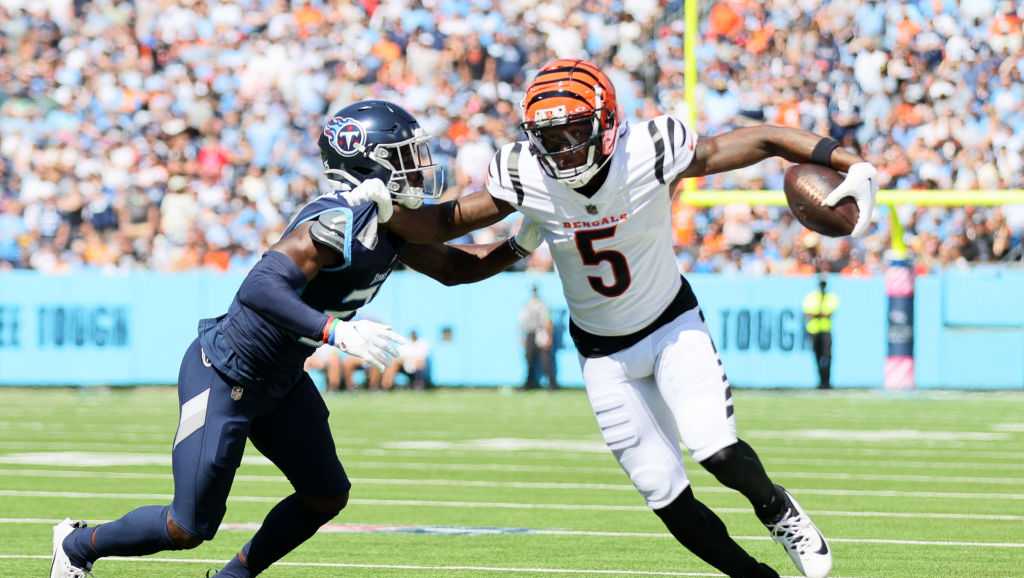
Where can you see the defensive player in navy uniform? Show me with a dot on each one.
(243, 377)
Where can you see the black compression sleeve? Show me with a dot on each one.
(272, 289)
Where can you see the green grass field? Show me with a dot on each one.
(492, 483)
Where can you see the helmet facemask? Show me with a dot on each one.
(413, 172)
(572, 148)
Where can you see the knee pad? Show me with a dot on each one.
(329, 506)
(181, 539)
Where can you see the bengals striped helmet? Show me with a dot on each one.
(571, 117)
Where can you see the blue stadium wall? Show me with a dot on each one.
(94, 329)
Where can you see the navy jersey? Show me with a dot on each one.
(251, 349)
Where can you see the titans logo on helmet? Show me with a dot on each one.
(346, 136)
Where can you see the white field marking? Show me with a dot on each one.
(16, 425)
(99, 459)
(53, 473)
(553, 450)
(87, 437)
(720, 510)
(943, 454)
(415, 567)
(72, 444)
(944, 461)
(90, 459)
(883, 435)
(898, 464)
(939, 454)
(598, 447)
(130, 433)
(332, 528)
(1010, 427)
(516, 505)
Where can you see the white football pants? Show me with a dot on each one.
(668, 387)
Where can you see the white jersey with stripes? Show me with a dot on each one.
(613, 251)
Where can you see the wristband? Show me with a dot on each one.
(518, 250)
(822, 153)
(328, 333)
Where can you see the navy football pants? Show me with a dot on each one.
(218, 415)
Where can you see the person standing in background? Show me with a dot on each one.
(413, 362)
(819, 305)
(535, 322)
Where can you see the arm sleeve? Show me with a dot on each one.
(273, 290)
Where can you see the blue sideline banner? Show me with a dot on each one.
(94, 329)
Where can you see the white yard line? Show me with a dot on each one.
(459, 504)
(412, 567)
(72, 458)
(943, 455)
(55, 473)
(605, 487)
(360, 528)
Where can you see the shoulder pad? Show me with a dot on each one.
(334, 229)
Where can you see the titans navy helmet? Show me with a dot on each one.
(375, 139)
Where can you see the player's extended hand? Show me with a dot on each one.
(375, 191)
(529, 236)
(410, 202)
(373, 342)
(861, 183)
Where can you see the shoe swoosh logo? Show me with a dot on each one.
(824, 546)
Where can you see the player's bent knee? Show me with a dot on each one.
(181, 539)
(721, 459)
(329, 506)
(683, 512)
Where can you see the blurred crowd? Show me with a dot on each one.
(179, 134)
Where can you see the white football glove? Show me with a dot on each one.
(529, 236)
(861, 183)
(375, 191)
(410, 202)
(373, 342)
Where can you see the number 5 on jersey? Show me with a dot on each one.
(620, 268)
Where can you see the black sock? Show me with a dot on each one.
(739, 468)
(289, 523)
(702, 532)
(771, 511)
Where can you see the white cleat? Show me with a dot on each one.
(61, 566)
(802, 540)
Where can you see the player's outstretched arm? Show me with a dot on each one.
(458, 264)
(449, 220)
(274, 286)
(430, 223)
(746, 146)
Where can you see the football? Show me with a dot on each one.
(806, 187)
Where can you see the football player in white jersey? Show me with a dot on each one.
(601, 192)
